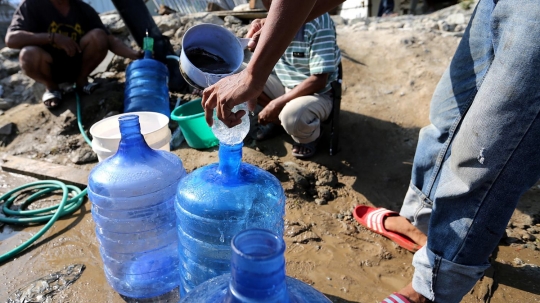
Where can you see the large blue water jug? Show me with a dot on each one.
(257, 275)
(216, 202)
(132, 196)
(146, 86)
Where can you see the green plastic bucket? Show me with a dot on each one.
(190, 118)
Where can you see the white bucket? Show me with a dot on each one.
(106, 133)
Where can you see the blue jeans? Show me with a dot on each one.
(481, 151)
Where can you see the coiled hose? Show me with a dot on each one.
(72, 199)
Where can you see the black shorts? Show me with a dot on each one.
(64, 69)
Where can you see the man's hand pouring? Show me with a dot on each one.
(228, 93)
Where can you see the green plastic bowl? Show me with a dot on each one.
(190, 118)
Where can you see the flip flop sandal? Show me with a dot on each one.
(89, 88)
(372, 218)
(311, 147)
(396, 298)
(52, 95)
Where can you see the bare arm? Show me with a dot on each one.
(119, 48)
(19, 39)
(283, 21)
(310, 86)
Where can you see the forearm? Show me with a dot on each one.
(20, 39)
(310, 86)
(119, 48)
(283, 21)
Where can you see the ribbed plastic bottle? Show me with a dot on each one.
(217, 201)
(132, 196)
(257, 275)
(146, 84)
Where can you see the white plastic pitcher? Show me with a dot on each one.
(106, 133)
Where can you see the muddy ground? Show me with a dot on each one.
(389, 76)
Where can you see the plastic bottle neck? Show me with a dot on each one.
(258, 267)
(131, 140)
(148, 54)
(230, 158)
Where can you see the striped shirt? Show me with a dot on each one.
(313, 51)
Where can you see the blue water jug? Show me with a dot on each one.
(146, 86)
(132, 196)
(216, 202)
(257, 275)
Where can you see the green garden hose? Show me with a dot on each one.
(72, 199)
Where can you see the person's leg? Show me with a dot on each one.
(493, 159)
(94, 47)
(36, 64)
(302, 116)
(451, 100)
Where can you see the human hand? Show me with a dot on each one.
(226, 94)
(136, 54)
(67, 44)
(254, 33)
(270, 113)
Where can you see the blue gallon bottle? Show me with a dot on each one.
(132, 196)
(257, 275)
(217, 201)
(146, 84)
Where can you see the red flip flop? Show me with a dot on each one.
(372, 218)
(396, 298)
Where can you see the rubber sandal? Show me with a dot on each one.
(51, 95)
(311, 146)
(372, 218)
(396, 298)
(89, 88)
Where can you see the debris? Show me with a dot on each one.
(44, 288)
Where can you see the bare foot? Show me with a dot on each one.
(411, 294)
(401, 225)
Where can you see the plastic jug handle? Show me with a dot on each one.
(173, 57)
(244, 42)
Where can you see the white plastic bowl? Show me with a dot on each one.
(106, 133)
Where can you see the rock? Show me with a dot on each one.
(324, 193)
(518, 262)
(6, 103)
(169, 33)
(83, 155)
(326, 178)
(232, 20)
(6, 129)
(10, 53)
(445, 27)
(338, 20)
(1, 91)
(65, 122)
(114, 23)
(320, 201)
(297, 174)
(456, 19)
(211, 18)
(9, 67)
(167, 22)
(242, 8)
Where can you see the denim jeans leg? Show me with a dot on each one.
(494, 157)
(451, 100)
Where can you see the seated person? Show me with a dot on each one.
(300, 96)
(61, 41)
